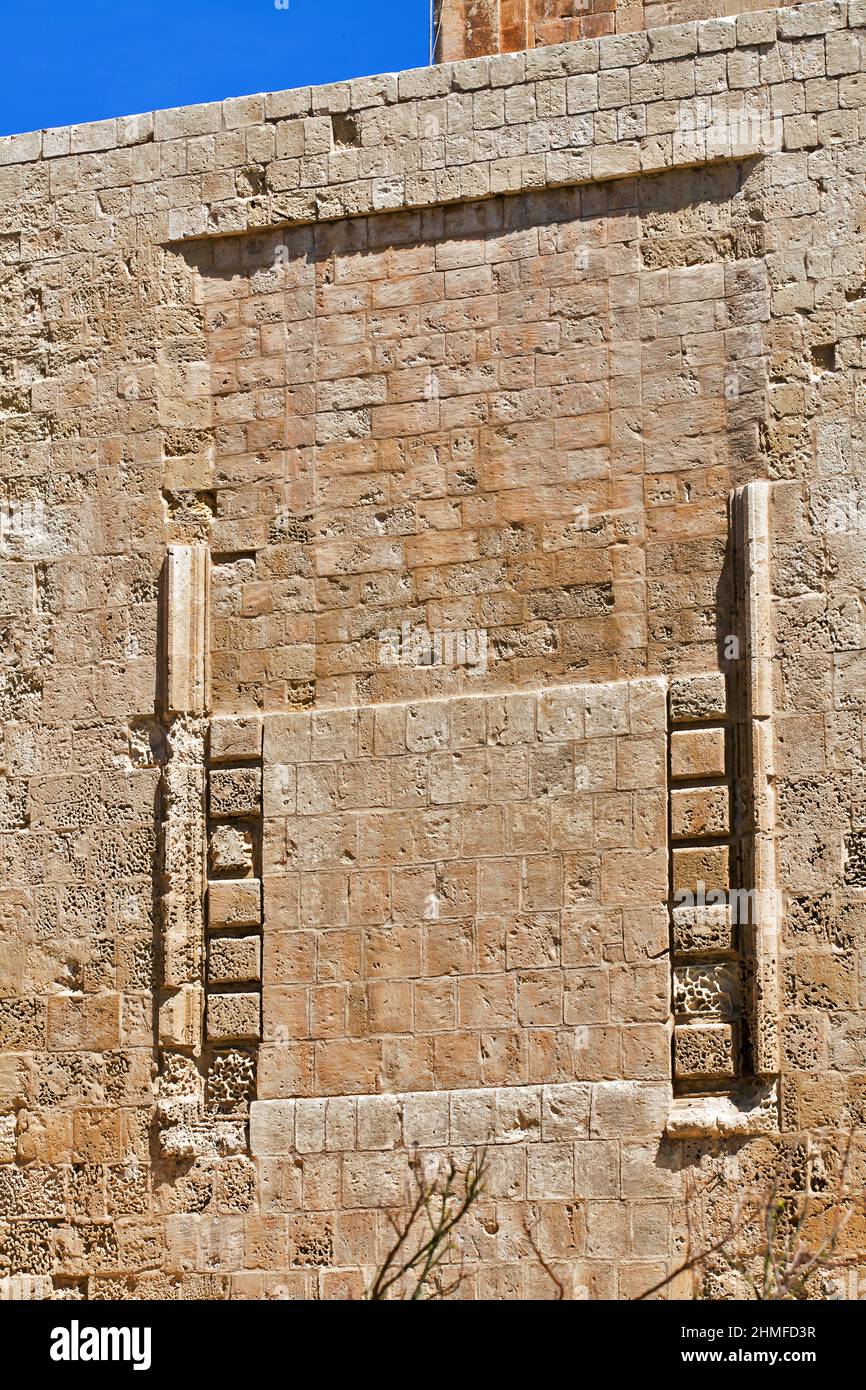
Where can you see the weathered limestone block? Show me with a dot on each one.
(748, 1110)
(187, 627)
(182, 951)
(231, 1081)
(712, 989)
(704, 869)
(180, 1017)
(235, 739)
(698, 753)
(698, 697)
(203, 1140)
(7, 1138)
(230, 850)
(700, 811)
(235, 791)
(426, 1119)
(233, 1017)
(272, 1127)
(703, 928)
(183, 856)
(234, 903)
(26, 1287)
(622, 1108)
(704, 1050)
(234, 959)
(83, 1022)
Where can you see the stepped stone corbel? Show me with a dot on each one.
(725, 900)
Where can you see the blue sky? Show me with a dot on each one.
(82, 60)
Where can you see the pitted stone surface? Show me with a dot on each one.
(444, 380)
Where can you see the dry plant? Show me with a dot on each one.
(773, 1243)
(545, 1264)
(423, 1235)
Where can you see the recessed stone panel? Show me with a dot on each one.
(697, 753)
(703, 928)
(701, 870)
(698, 697)
(230, 850)
(235, 791)
(234, 903)
(235, 739)
(707, 990)
(699, 811)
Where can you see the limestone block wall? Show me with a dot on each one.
(476, 422)
(474, 884)
(472, 28)
(374, 458)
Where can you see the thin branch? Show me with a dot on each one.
(551, 1273)
(692, 1261)
(427, 1229)
(787, 1258)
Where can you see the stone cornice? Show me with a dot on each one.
(572, 114)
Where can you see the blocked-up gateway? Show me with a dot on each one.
(432, 704)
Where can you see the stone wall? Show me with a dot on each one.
(473, 28)
(431, 538)
(466, 422)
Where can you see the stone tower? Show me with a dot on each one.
(431, 570)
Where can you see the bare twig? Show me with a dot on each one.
(692, 1261)
(424, 1234)
(785, 1256)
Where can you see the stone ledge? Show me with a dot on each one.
(474, 181)
(496, 1115)
(465, 76)
(752, 1108)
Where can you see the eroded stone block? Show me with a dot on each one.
(272, 1127)
(233, 1016)
(235, 791)
(711, 989)
(704, 1050)
(234, 959)
(180, 1017)
(701, 870)
(7, 1138)
(235, 739)
(231, 850)
(234, 903)
(699, 811)
(698, 697)
(703, 928)
(697, 753)
(231, 1081)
